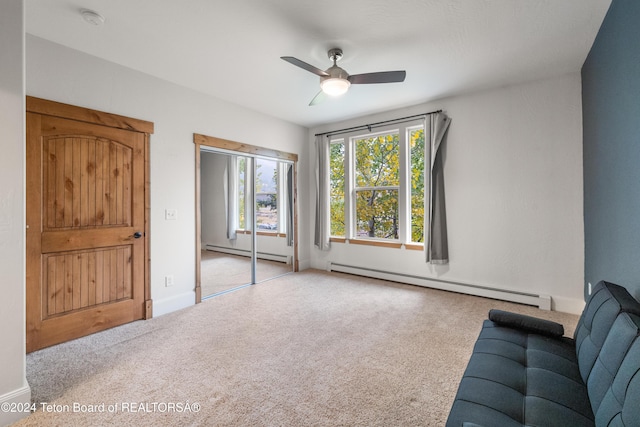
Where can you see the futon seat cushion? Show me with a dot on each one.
(518, 378)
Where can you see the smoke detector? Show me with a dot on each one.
(92, 17)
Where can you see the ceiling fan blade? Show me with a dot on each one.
(304, 66)
(320, 97)
(381, 77)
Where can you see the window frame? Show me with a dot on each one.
(404, 186)
(280, 192)
(242, 190)
(346, 201)
(355, 188)
(426, 176)
(276, 192)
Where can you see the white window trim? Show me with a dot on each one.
(404, 188)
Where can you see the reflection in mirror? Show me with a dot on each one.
(231, 186)
(226, 254)
(274, 218)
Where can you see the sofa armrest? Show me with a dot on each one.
(526, 323)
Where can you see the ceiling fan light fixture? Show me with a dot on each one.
(335, 86)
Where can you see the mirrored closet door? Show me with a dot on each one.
(246, 217)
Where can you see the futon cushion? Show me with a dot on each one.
(605, 303)
(517, 378)
(614, 384)
(526, 323)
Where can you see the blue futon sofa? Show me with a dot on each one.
(524, 372)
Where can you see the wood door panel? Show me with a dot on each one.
(80, 279)
(87, 182)
(86, 199)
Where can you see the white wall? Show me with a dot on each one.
(57, 73)
(513, 178)
(212, 167)
(13, 383)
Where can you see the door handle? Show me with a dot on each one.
(137, 235)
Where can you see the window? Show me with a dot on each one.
(337, 188)
(377, 185)
(242, 193)
(266, 195)
(416, 144)
(271, 194)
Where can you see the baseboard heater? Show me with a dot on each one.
(243, 252)
(541, 301)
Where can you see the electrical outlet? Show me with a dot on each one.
(170, 214)
(589, 288)
(168, 281)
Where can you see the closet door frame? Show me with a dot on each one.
(225, 146)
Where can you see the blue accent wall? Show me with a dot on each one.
(611, 125)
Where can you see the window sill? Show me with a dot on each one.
(414, 247)
(378, 243)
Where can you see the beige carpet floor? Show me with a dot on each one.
(221, 271)
(307, 349)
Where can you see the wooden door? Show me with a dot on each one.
(86, 251)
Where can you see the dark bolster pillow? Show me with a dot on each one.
(526, 323)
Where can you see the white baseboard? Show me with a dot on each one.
(539, 300)
(567, 305)
(544, 302)
(242, 252)
(177, 302)
(18, 398)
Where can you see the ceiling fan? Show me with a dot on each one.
(335, 81)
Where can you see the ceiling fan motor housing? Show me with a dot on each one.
(335, 72)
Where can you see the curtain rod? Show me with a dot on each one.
(369, 126)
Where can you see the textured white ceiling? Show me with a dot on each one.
(231, 49)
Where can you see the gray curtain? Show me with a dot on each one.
(231, 196)
(322, 231)
(290, 205)
(437, 246)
